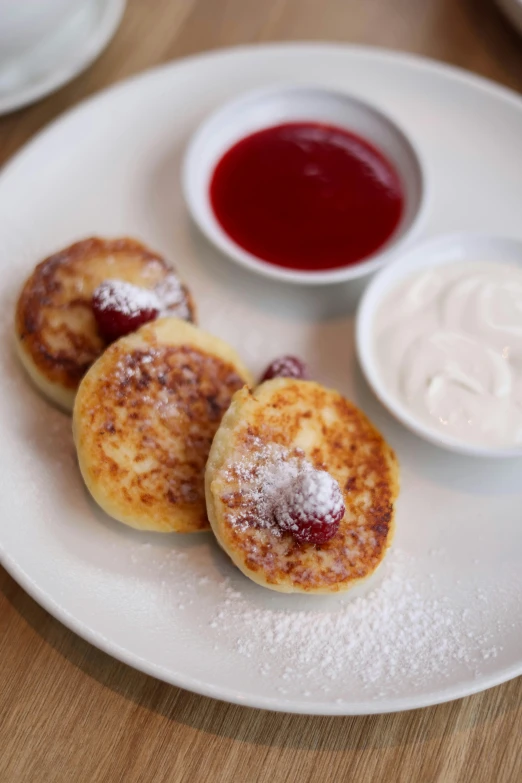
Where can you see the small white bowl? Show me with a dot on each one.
(434, 252)
(269, 107)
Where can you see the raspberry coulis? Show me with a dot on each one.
(307, 196)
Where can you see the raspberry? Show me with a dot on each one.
(120, 308)
(286, 367)
(311, 507)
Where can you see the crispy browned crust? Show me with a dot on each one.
(346, 444)
(144, 420)
(63, 284)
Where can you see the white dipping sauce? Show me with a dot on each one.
(449, 345)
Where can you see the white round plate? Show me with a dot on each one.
(444, 618)
(265, 108)
(56, 61)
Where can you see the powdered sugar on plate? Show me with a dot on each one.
(405, 630)
(396, 632)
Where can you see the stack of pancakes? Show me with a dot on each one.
(161, 415)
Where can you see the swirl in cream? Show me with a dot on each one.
(449, 345)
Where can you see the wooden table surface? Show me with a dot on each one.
(69, 712)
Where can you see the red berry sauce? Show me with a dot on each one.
(307, 196)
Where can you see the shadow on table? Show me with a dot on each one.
(499, 39)
(249, 725)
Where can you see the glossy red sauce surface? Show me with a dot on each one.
(307, 196)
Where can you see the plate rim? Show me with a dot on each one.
(408, 59)
(466, 687)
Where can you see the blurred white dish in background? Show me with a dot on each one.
(439, 335)
(270, 107)
(513, 10)
(26, 23)
(41, 52)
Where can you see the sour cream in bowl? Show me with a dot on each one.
(439, 339)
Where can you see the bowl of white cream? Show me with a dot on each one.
(439, 339)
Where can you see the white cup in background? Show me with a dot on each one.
(24, 24)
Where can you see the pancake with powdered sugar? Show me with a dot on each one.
(281, 432)
(144, 419)
(56, 331)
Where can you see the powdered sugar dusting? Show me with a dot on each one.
(283, 491)
(408, 632)
(128, 299)
(135, 367)
(313, 495)
(264, 477)
(172, 297)
(396, 632)
(167, 298)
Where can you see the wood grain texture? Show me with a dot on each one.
(69, 712)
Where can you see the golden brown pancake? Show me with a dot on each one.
(300, 419)
(56, 331)
(144, 419)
